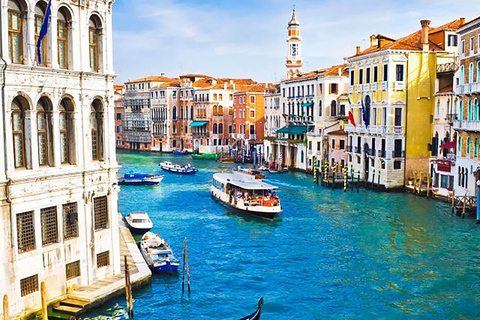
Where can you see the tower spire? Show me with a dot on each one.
(294, 61)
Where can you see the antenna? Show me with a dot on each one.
(293, 8)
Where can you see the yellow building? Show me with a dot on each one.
(392, 88)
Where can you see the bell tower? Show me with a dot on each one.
(294, 62)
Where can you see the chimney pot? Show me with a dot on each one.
(462, 20)
(424, 34)
(358, 49)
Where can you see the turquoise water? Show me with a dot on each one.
(330, 255)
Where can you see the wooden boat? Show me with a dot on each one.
(257, 174)
(246, 194)
(139, 179)
(138, 222)
(256, 315)
(178, 169)
(158, 254)
(180, 152)
(204, 156)
(227, 159)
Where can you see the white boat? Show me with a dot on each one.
(138, 222)
(158, 254)
(246, 194)
(176, 168)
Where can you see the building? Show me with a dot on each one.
(467, 89)
(337, 148)
(392, 89)
(294, 61)
(119, 111)
(58, 169)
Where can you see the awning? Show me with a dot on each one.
(295, 129)
(307, 104)
(197, 123)
(449, 145)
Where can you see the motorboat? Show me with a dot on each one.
(158, 254)
(138, 222)
(176, 168)
(204, 156)
(279, 170)
(256, 315)
(244, 193)
(180, 152)
(140, 179)
(227, 159)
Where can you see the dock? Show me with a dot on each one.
(89, 297)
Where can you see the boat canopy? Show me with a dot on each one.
(135, 176)
(244, 183)
(295, 129)
(198, 123)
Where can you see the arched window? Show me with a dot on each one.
(94, 32)
(63, 37)
(15, 31)
(67, 132)
(478, 72)
(470, 73)
(466, 178)
(460, 116)
(174, 113)
(462, 75)
(333, 108)
(220, 128)
(220, 110)
(477, 109)
(18, 130)
(215, 112)
(468, 146)
(214, 128)
(181, 113)
(40, 10)
(96, 126)
(470, 109)
(230, 110)
(45, 133)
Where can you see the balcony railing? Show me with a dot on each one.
(366, 87)
(384, 85)
(349, 148)
(374, 86)
(358, 149)
(469, 88)
(466, 125)
(359, 88)
(399, 86)
(398, 154)
(382, 153)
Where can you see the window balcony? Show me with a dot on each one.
(374, 86)
(384, 85)
(253, 136)
(366, 87)
(382, 153)
(350, 89)
(399, 86)
(469, 88)
(451, 117)
(466, 125)
(359, 88)
(398, 129)
(349, 149)
(398, 154)
(358, 149)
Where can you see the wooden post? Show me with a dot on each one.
(453, 202)
(420, 180)
(184, 254)
(378, 180)
(463, 211)
(345, 178)
(188, 267)
(128, 289)
(44, 301)
(358, 182)
(428, 185)
(6, 313)
(373, 179)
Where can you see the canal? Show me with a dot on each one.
(330, 255)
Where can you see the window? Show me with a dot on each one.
(15, 31)
(444, 181)
(333, 88)
(252, 99)
(385, 72)
(452, 40)
(252, 129)
(214, 128)
(44, 133)
(18, 129)
(399, 72)
(397, 164)
(220, 96)
(333, 108)
(94, 31)
(103, 259)
(398, 117)
(367, 76)
(100, 210)
(252, 114)
(472, 45)
(333, 146)
(70, 220)
(318, 145)
(29, 285)
(360, 77)
(214, 96)
(49, 225)
(220, 110)
(25, 232)
(468, 146)
(96, 125)
(342, 144)
(63, 33)
(72, 270)
(352, 78)
(375, 74)
(220, 128)
(462, 47)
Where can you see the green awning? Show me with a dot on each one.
(295, 129)
(307, 104)
(197, 123)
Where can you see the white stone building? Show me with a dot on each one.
(58, 165)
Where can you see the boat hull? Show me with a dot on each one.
(190, 172)
(125, 182)
(134, 229)
(180, 153)
(263, 214)
(165, 268)
(204, 156)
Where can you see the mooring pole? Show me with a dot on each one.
(128, 289)
(345, 178)
(6, 313)
(373, 179)
(188, 267)
(358, 182)
(44, 301)
(184, 253)
(378, 183)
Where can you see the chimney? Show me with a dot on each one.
(358, 50)
(234, 87)
(462, 21)
(225, 85)
(373, 41)
(214, 82)
(424, 34)
(231, 81)
(162, 74)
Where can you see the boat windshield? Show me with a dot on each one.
(140, 220)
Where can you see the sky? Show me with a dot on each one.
(247, 38)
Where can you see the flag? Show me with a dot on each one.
(43, 31)
(351, 118)
(350, 114)
(364, 115)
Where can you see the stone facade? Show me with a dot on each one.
(58, 170)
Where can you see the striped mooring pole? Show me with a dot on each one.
(345, 178)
